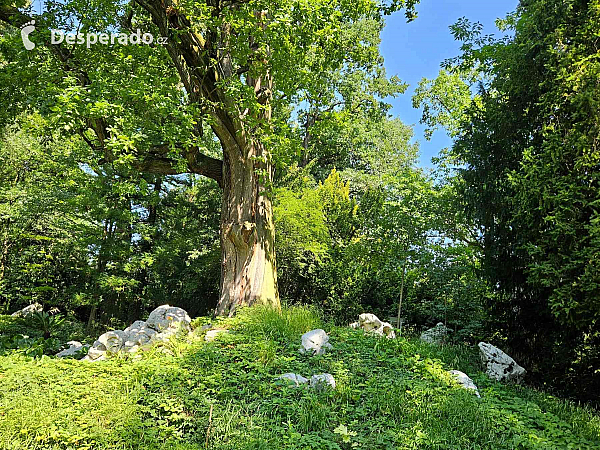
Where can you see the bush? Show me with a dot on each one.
(11, 326)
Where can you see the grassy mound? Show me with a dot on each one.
(223, 395)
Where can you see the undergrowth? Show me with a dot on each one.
(223, 395)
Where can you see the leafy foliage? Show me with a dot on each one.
(391, 393)
(526, 154)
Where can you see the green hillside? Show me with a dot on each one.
(224, 395)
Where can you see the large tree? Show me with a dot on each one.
(226, 67)
(528, 156)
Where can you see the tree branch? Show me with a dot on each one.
(156, 160)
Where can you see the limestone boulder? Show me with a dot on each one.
(113, 341)
(293, 379)
(498, 365)
(436, 335)
(166, 316)
(371, 324)
(465, 381)
(97, 352)
(322, 381)
(29, 310)
(315, 342)
(74, 348)
(137, 335)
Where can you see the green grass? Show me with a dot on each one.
(390, 394)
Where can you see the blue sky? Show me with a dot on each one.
(415, 50)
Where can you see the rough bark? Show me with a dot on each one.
(248, 270)
(247, 232)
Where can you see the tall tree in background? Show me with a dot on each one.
(225, 66)
(530, 176)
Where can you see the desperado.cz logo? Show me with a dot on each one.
(89, 39)
(27, 29)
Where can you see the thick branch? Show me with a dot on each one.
(156, 161)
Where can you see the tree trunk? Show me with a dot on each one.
(91, 319)
(3, 261)
(248, 270)
(401, 296)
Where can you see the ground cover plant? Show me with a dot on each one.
(224, 395)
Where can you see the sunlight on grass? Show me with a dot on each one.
(223, 393)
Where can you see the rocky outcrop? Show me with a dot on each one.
(137, 334)
(464, 380)
(371, 324)
(315, 342)
(29, 310)
(436, 335)
(163, 323)
(498, 365)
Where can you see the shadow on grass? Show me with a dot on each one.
(223, 395)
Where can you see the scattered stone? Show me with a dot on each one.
(371, 324)
(212, 334)
(29, 310)
(322, 381)
(74, 348)
(500, 366)
(354, 325)
(206, 327)
(293, 378)
(163, 323)
(436, 335)
(315, 342)
(464, 380)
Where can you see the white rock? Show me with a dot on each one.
(388, 330)
(137, 334)
(294, 378)
(29, 310)
(464, 380)
(96, 353)
(166, 316)
(163, 323)
(212, 334)
(74, 348)
(322, 381)
(371, 324)
(436, 334)
(315, 342)
(499, 366)
(113, 341)
(354, 325)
